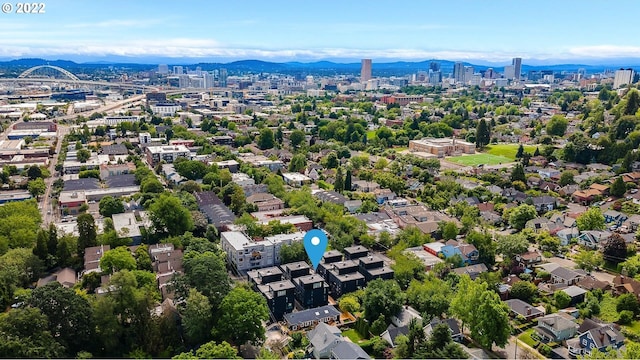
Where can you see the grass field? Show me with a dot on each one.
(526, 338)
(608, 308)
(477, 159)
(353, 335)
(508, 150)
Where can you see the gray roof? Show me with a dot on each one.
(348, 350)
(81, 184)
(311, 314)
(323, 336)
(557, 322)
(574, 291)
(564, 273)
(521, 308)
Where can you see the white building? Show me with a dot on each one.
(145, 138)
(169, 154)
(509, 72)
(295, 179)
(115, 120)
(165, 109)
(623, 77)
(246, 254)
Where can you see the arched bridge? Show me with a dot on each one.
(59, 69)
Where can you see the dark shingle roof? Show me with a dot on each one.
(81, 184)
(118, 181)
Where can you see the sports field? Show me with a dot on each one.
(477, 159)
(508, 150)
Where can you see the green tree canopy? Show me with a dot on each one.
(382, 297)
(117, 259)
(110, 205)
(168, 215)
(24, 334)
(592, 219)
(557, 125)
(242, 312)
(519, 215)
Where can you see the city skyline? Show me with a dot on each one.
(283, 31)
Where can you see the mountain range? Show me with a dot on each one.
(398, 68)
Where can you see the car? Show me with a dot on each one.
(633, 191)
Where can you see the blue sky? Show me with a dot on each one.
(346, 30)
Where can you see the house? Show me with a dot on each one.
(556, 328)
(454, 328)
(66, 277)
(548, 173)
(323, 339)
(352, 205)
(585, 197)
(364, 186)
(265, 202)
(311, 291)
(590, 283)
(383, 195)
(626, 285)
(562, 275)
(280, 297)
(529, 259)
(567, 234)
(70, 202)
(296, 179)
(544, 203)
(472, 270)
(348, 350)
(592, 238)
(576, 294)
(568, 190)
(524, 309)
(602, 189)
(404, 317)
(303, 319)
(392, 333)
(612, 216)
(594, 335)
(467, 252)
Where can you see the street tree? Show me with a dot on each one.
(588, 260)
(36, 187)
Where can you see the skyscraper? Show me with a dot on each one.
(509, 72)
(177, 70)
(163, 69)
(458, 72)
(468, 74)
(623, 77)
(365, 70)
(434, 66)
(517, 67)
(222, 78)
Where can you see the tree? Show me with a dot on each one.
(633, 102)
(524, 291)
(430, 297)
(618, 188)
(197, 317)
(117, 259)
(110, 205)
(296, 138)
(520, 152)
(298, 163)
(485, 245)
(448, 229)
(628, 302)
(338, 185)
(615, 248)
(168, 215)
(566, 178)
(34, 172)
(382, 297)
(70, 315)
(24, 334)
(517, 174)
(519, 216)
(293, 252)
(407, 267)
(238, 200)
(592, 219)
(266, 139)
(511, 245)
(588, 260)
(242, 312)
(347, 181)
(331, 161)
(562, 299)
(83, 155)
(483, 134)
(151, 185)
(191, 169)
(557, 125)
(143, 260)
(36, 187)
(208, 274)
(87, 235)
(349, 304)
(485, 314)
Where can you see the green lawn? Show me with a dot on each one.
(353, 335)
(508, 150)
(634, 327)
(526, 338)
(608, 308)
(371, 134)
(477, 159)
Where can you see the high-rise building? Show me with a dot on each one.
(208, 80)
(490, 74)
(623, 77)
(458, 72)
(177, 70)
(434, 66)
(163, 69)
(365, 70)
(468, 74)
(435, 77)
(509, 72)
(517, 67)
(222, 78)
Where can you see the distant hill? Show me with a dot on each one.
(397, 68)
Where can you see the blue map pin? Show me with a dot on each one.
(315, 242)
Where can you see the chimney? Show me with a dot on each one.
(129, 221)
(528, 310)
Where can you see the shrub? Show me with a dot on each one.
(626, 317)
